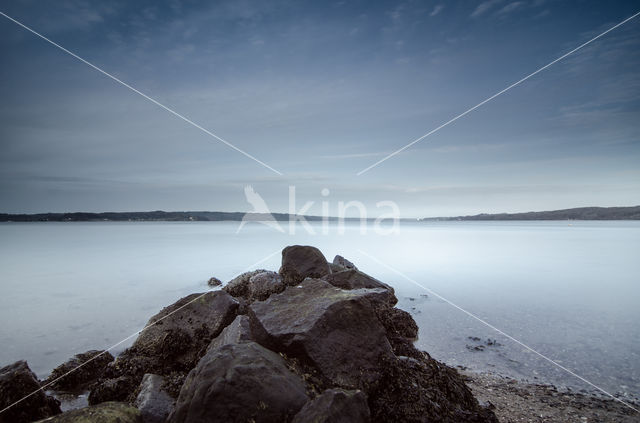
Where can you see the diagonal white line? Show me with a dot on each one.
(494, 96)
(399, 273)
(173, 112)
(42, 388)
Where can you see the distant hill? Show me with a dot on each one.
(581, 213)
(158, 215)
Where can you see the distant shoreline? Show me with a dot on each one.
(581, 213)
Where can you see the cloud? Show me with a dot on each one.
(437, 10)
(484, 7)
(510, 8)
(353, 155)
(67, 16)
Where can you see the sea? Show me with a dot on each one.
(552, 302)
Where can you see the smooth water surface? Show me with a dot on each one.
(569, 290)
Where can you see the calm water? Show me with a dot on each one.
(570, 291)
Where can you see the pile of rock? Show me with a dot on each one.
(315, 342)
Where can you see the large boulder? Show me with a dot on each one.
(154, 403)
(255, 286)
(19, 383)
(262, 285)
(239, 286)
(108, 412)
(355, 279)
(237, 332)
(173, 341)
(79, 372)
(240, 383)
(300, 262)
(179, 333)
(335, 330)
(336, 406)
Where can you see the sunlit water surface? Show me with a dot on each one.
(569, 290)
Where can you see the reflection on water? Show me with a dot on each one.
(570, 292)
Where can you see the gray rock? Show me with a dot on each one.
(93, 364)
(153, 401)
(107, 412)
(300, 262)
(262, 285)
(214, 282)
(112, 389)
(239, 286)
(334, 329)
(336, 406)
(335, 268)
(344, 263)
(17, 381)
(237, 332)
(355, 279)
(240, 383)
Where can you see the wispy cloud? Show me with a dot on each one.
(353, 156)
(484, 7)
(437, 9)
(509, 8)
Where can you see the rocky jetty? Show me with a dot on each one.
(314, 342)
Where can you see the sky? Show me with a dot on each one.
(319, 91)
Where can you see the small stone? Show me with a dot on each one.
(214, 282)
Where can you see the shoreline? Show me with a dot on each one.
(516, 401)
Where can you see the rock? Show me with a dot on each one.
(154, 403)
(214, 282)
(16, 382)
(335, 406)
(355, 279)
(107, 412)
(344, 263)
(114, 389)
(82, 377)
(255, 286)
(185, 329)
(300, 262)
(262, 285)
(237, 332)
(335, 268)
(239, 286)
(399, 323)
(335, 330)
(424, 390)
(240, 383)
(174, 344)
(401, 330)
